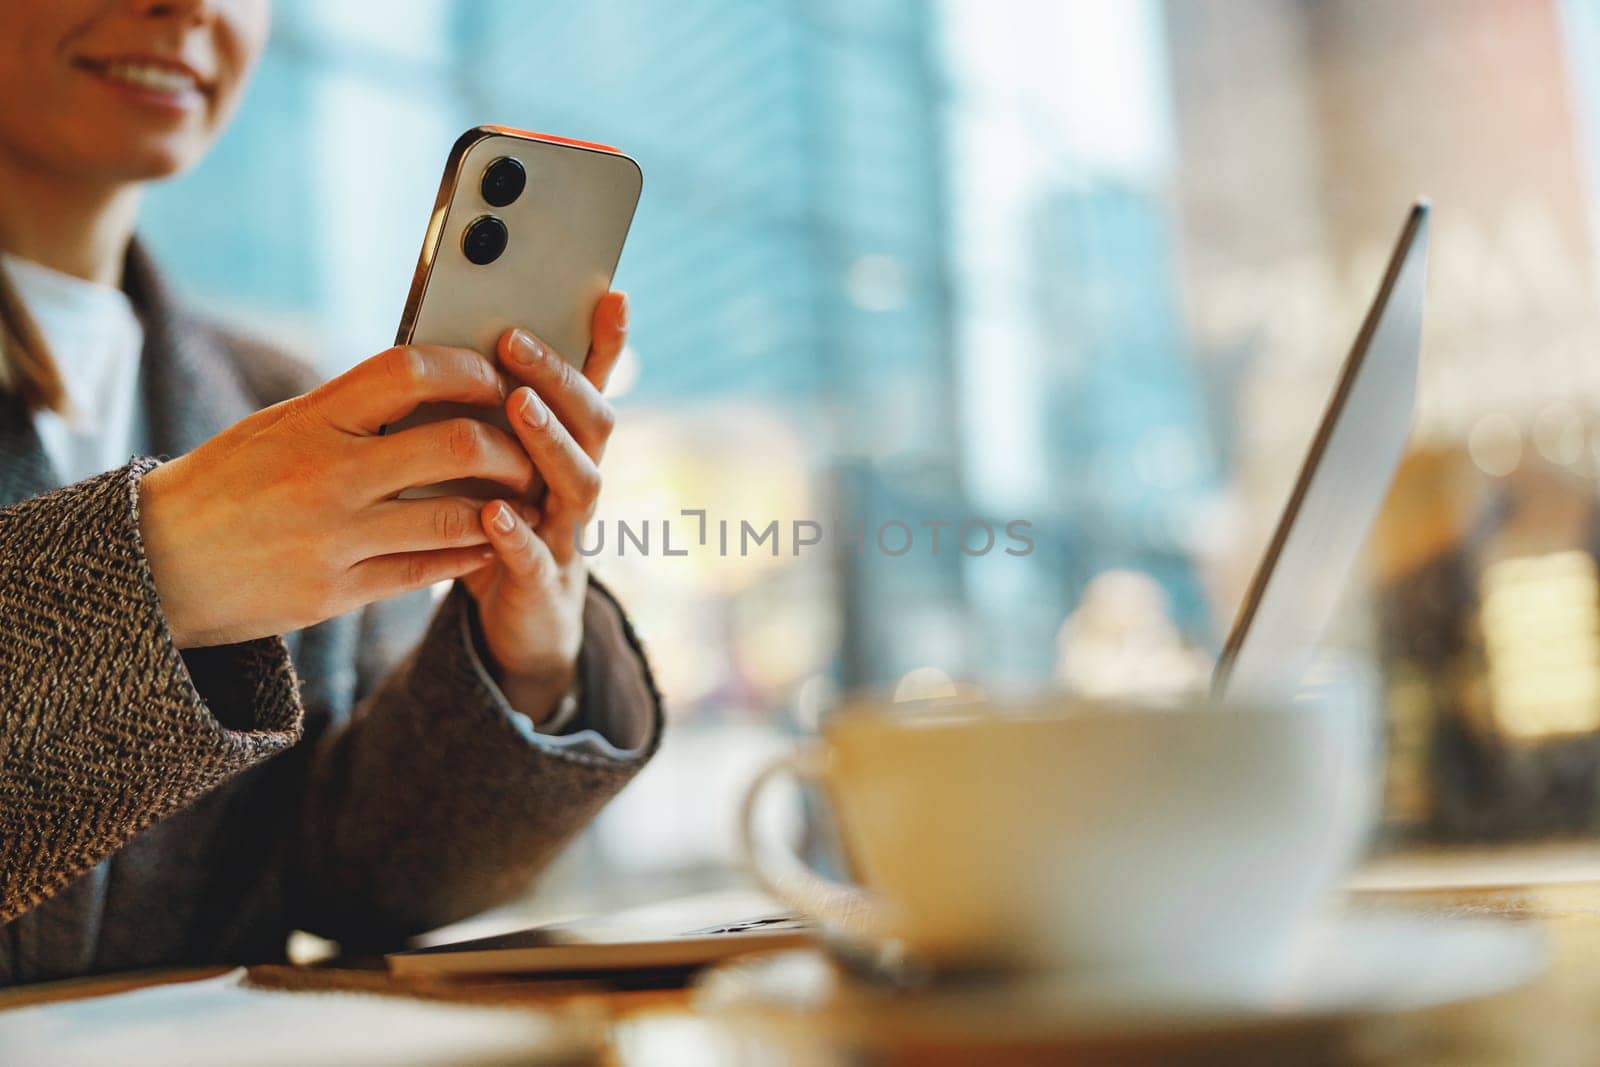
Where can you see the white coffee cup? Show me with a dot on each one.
(1170, 846)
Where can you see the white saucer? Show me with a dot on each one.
(1357, 964)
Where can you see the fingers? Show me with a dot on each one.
(421, 525)
(391, 384)
(572, 396)
(442, 451)
(386, 576)
(569, 472)
(608, 331)
(528, 558)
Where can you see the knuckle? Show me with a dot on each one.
(527, 476)
(405, 367)
(324, 592)
(464, 439)
(306, 476)
(588, 483)
(605, 420)
(561, 371)
(326, 560)
(415, 571)
(302, 410)
(487, 373)
(450, 522)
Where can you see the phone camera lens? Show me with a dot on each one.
(503, 181)
(484, 240)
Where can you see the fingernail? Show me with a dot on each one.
(503, 520)
(533, 411)
(524, 348)
(622, 312)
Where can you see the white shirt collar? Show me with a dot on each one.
(95, 338)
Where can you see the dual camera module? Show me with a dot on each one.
(486, 236)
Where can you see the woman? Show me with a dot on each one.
(207, 737)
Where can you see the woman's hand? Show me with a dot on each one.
(288, 517)
(531, 602)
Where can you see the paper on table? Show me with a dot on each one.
(222, 1020)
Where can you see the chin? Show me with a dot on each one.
(153, 166)
(148, 159)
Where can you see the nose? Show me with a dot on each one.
(180, 10)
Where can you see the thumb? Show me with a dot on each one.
(480, 583)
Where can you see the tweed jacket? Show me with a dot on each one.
(361, 779)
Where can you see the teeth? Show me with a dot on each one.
(149, 76)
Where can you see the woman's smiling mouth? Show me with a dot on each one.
(163, 82)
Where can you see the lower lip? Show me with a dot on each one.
(169, 101)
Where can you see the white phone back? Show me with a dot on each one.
(566, 232)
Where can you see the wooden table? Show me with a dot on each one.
(1555, 1020)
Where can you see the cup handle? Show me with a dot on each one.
(788, 877)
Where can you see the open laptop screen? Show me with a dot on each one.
(1341, 485)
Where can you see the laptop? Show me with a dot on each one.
(1296, 587)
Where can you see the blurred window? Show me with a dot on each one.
(1086, 266)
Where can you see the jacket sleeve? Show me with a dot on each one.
(105, 726)
(432, 803)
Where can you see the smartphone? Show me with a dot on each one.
(526, 231)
